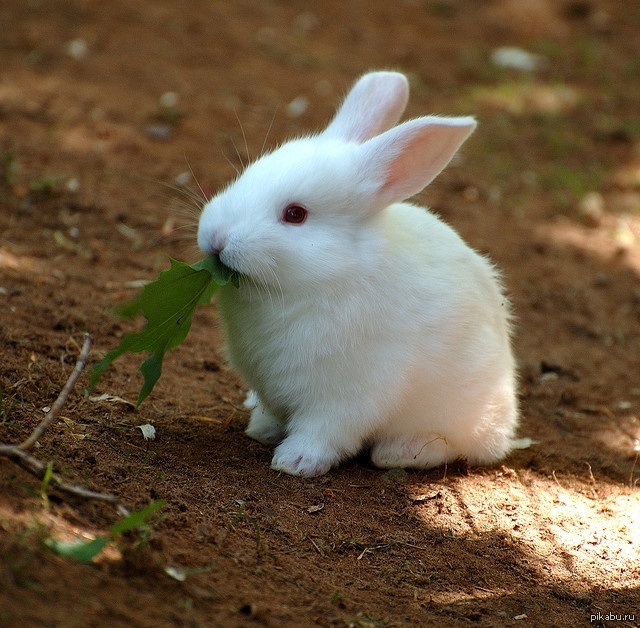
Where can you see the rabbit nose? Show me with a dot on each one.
(216, 244)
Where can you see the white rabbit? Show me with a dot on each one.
(362, 321)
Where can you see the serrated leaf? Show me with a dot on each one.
(136, 519)
(81, 551)
(86, 551)
(221, 274)
(168, 304)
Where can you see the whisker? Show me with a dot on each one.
(191, 226)
(281, 292)
(183, 191)
(273, 117)
(269, 286)
(193, 174)
(237, 152)
(184, 209)
(230, 162)
(172, 186)
(244, 137)
(186, 205)
(260, 287)
(189, 199)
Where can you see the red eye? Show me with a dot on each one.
(294, 214)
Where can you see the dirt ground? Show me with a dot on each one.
(110, 111)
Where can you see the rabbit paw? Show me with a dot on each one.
(264, 427)
(251, 400)
(303, 458)
(419, 452)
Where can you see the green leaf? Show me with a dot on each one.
(221, 274)
(136, 519)
(46, 479)
(81, 551)
(168, 304)
(86, 551)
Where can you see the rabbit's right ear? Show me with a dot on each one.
(374, 105)
(397, 164)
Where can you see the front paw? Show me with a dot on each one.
(295, 457)
(251, 400)
(264, 427)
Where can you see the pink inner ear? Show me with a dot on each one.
(419, 157)
(416, 152)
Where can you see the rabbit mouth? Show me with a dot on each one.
(221, 272)
(226, 268)
(224, 265)
(235, 266)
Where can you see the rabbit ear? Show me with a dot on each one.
(374, 104)
(402, 161)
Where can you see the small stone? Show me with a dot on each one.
(591, 209)
(169, 100)
(77, 49)
(297, 107)
(72, 185)
(161, 132)
(183, 178)
(512, 58)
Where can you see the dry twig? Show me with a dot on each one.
(19, 453)
(62, 397)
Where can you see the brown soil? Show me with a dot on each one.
(549, 187)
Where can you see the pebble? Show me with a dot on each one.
(72, 185)
(297, 106)
(591, 209)
(169, 100)
(77, 49)
(160, 132)
(183, 178)
(517, 59)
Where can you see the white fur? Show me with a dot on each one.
(372, 324)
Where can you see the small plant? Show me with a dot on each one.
(9, 168)
(44, 186)
(242, 515)
(168, 304)
(6, 406)
(44, 485)
(86, 551)
(339, 599)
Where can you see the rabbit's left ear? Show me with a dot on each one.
(374, 104)
(402, 161)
